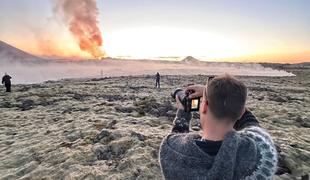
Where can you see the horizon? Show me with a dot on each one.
(217, 31)
(167, 58)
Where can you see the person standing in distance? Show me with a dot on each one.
(157, 78)
(6, 80)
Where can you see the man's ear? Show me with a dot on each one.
(243, 111)
(205, 107)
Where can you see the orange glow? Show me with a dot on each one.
(271, 58)
(138, 44)
(65, 49)
(51, 47)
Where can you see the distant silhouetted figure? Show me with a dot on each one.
(6, 80)
(157, 76)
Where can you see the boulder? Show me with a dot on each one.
(27, 104)
(139, 136)
(303, 122)
(103, 134)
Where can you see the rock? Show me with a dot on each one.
(66, 144)
(279, 99)
(263, 114)
(303, 122)
(124, 109)
(295, 98)
(155, 112)
(141, 113)
(24, 88)
(260, 98)
(9, 142)
(103, 152)
(119, 147)
(164, 108)
(56, 119)
(69, 121)
(106, 103)
(149, 105)
(111, 98)
(5, 104)
(27, 104)
(111, 124)
(141, 137)
(27, 168)
(9, 177)
(146, 104)
(258, 88)
(282, 166)
(79, 97)
(113, 151)
(74, 136)
(83, 109)
(12, 133)
(99, 126)
(294, 145)
(104, 133)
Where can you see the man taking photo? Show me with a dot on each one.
(232, 145)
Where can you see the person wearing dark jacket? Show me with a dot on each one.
(232, 145)
(6, 80)
(157, 78)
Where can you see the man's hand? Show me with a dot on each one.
(179, 104)
(197, 89)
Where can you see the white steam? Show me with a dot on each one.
(23, 73)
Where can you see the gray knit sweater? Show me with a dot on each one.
(247, 153)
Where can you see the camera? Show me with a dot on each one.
(189, 104)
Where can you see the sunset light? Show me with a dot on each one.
(147, 42)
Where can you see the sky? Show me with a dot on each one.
(212, 30)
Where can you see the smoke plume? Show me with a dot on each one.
(81, 17)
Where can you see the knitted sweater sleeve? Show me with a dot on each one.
(249, 126)
(267, 158)
(181, 122)
(247, 120)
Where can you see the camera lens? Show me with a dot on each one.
(180, 93)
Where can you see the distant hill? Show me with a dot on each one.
(190, 60)
(11, 54)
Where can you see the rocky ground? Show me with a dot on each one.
(111, 128)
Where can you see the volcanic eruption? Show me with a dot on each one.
(81, 18)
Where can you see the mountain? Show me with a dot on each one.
(190, 60)
(11, 54)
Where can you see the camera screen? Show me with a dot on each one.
(195, 105)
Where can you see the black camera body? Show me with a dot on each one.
(189, 104)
